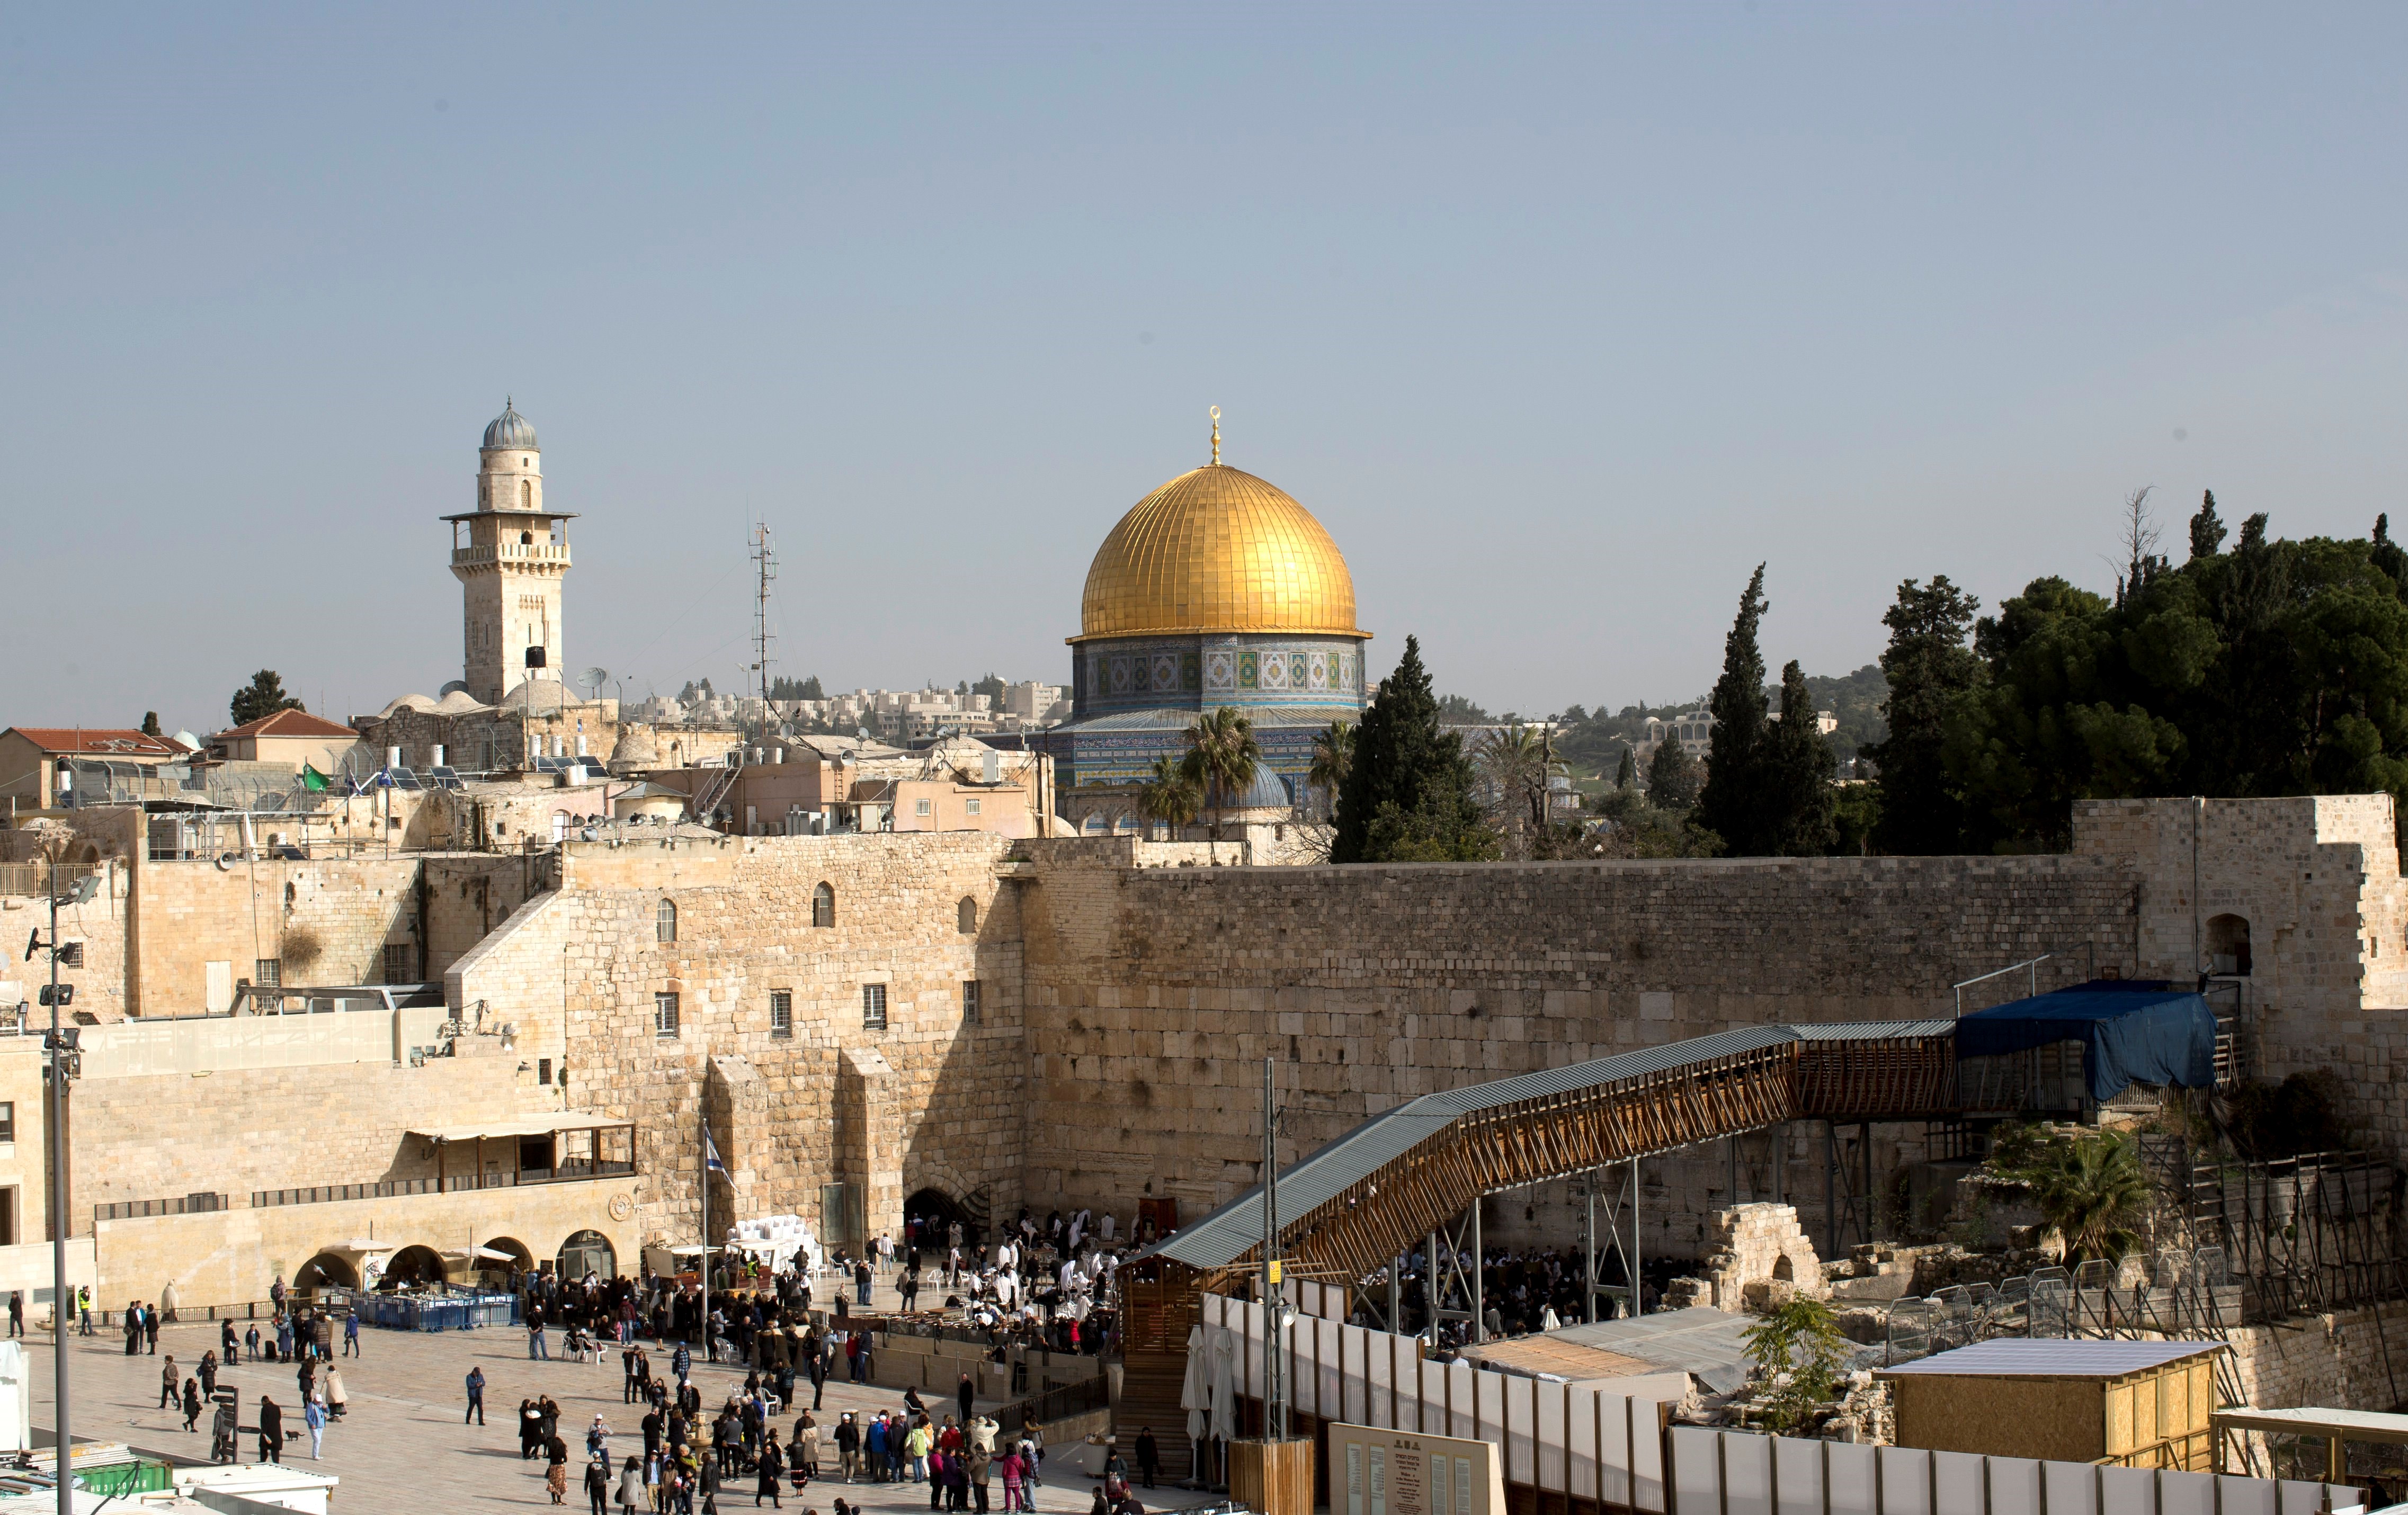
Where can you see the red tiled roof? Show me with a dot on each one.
(287, 723)
(97, 742)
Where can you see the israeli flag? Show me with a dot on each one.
(710, 1153)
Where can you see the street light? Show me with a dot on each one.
(82, 893)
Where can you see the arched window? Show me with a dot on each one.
(823, 906)
(665, 920)
(2228, 944)
(1094, 823)
(965, 916)
(526, 494)
(526, 538)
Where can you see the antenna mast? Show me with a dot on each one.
(765, 565)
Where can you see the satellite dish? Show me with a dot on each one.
(594, 679)
(862, 732)
(458, 685)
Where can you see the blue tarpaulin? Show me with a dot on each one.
(2130, 1030)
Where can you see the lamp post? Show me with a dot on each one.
(58, 1188)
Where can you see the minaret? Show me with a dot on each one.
(510, 555)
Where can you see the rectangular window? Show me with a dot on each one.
(970, 807)
(400, 963)
(7, 1120)
(922, 806)
(268, 973)
(969, 1002)
(873, 1006)
(665, 1016)
(8, 1216)
(782, 1012)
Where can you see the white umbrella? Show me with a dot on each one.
(1195, 1391)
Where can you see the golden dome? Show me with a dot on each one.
(1217, 550)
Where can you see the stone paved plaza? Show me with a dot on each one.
(402, 1440)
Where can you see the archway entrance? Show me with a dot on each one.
(929, 1216)
(413, 1265)
(520, 1258)
(326, 1270)
(587, 1251)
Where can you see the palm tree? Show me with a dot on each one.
(1221, 756)
(1518, 761)
(2092, 1190)
(1333, 753)
(1170, 796)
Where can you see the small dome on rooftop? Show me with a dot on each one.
(510, 429)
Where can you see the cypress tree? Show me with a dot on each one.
(2206, 529)
(1732, 803)
(1407, 791)
(1929, 666)
(1626, 772)
(1672, 777)
(1804, 809)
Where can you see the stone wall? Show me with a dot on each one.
(1155, 994)
(953, 1093)
(2317, 881)
(238, 1130)
(326, 921)
(2350, 1361)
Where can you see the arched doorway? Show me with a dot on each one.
(928, 1215)
(412, 1265)
(521, 1259)
(2228, 944)
(326, 1270)
(587, 1251)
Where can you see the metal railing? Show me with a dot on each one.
(126, 1209)
(457, 1183)
(2185, 1294)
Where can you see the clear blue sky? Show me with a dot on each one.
(1560, 318)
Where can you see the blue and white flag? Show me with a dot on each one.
(710, 1153)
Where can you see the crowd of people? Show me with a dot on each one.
(1522, 1291)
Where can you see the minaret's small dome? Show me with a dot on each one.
(510, 429)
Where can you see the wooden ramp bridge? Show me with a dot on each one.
(1384, 1189)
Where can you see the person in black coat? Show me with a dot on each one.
(271, 1430)
(1148, 1456)
(772, 1463)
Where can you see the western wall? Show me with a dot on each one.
(1125, 993)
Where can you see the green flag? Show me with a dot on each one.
(311, 777)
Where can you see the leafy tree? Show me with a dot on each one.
(1797, 1352)
(993, 687)
(1672, 777)
(1169, 795)
(150, 724)
(1333, 752)
(1455, 710)
(1928, 668)
(1636, 827)
(1221, 756)
(1732, 803)
(263, 695)
(1798, 776)
(1625, 773)
(2279, 667)
(1407, 796)
(785, 688)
